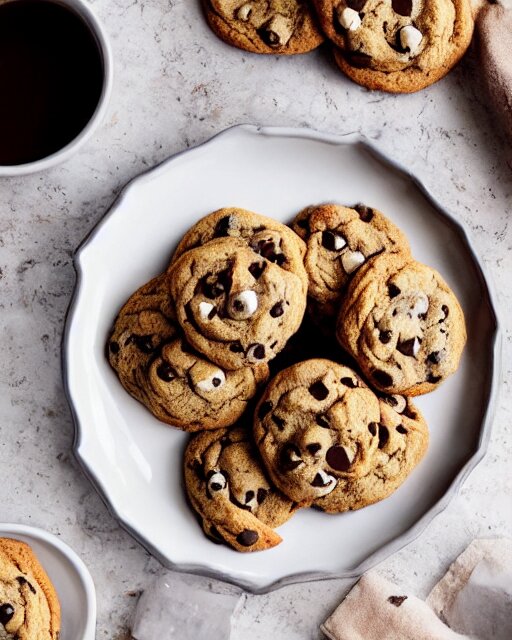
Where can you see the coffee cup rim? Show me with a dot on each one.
(88, 15)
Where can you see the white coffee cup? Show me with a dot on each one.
(82, 9)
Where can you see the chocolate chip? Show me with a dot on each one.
(446, 312)
(337, 459)
(329, 240)
(262, 494)
(236, 347)
(432, 378)
(359, 59)
(114, 347)
(372, 428)
(401, 429)
(385, 336)
(265, 407)
(258, 351)
(216, 382)
(382, 378)
(349, 382)
(318, 390)
(383, 436)
(214, 532)
(314, 447)
(165, 372)
(144, 343)
(409, 413)
(256, 269)
(322, 422)
(357, 5)
(247, 538)
(6, 613)
(212, 314)
(365, 213)
(402, 7)
(408, 347)
(222, 227)
(238, 305)
(274, 344)
(318, 481)
(211, 288)
(434, 357)
(393, 290)
(23, 581)
(277, 310)
(279, 422)
(290, 457)
(303, 223)
(249, 496)
(397, 600)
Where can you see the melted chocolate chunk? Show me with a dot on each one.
(337, 459)
(322, 422)
(262, 494)
(393, 291)
(314, 447)
(357, 5)
(318, 390)
(165, 372)
(407, 347)
(222, 227)
(318, 481)
(432, 378)
(21, 580)
(247, 538)
(402, 7)
(256, 269)
(434, 357)
(236, 347)
(6, 613)
(329, 240)
(385, 336)
(279, 422)
(397, 600)
(372, 428)
(249, 496)
(359, 59)
(265, 407)
(409, 413)
(349, 382)
(214, 286)
(382, 378)
(401, 429)
(290, 457)
(114, 347)
(383, 436)
(365, 213)
(277, 310)
(144, 343)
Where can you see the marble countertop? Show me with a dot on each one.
(175, 86)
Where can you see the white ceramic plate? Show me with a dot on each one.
(69, 576)
(135, 461)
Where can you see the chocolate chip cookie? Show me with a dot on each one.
(29, 607)
(397, 45)
(157, 366)
(236, 305)
(228, 489)
(339, 241)
(403, 325)
(402, 443)
(317, 422)
(265, 26)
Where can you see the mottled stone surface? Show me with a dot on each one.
(175, 86)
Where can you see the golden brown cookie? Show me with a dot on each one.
(236, 306)
(227, 487)
(265, 26)
(402, 443)
(29, 607)
(156, 365)
(403, 325)
(316, 422)
(398, 46)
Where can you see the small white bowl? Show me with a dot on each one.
(86, 13)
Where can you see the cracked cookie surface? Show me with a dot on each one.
(397, 45)
(29, 607)
(265, 26)
(228, 489)
(316, 422)
(403, 325)
(339, 240)
(236, 305)
(157, 366)
(402, 443)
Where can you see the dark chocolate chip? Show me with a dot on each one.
(382, 378)
(446, 312)
(238, 305)
(337, 459)
(359, 59)
(385, 336)
(434, 357)
(262, 494)
(216, 382)
(318, 390)
(23, 581)
(214, 532)
(401, 429)
(288, 452)
(259, 352)
(365, 213)
(277, 310)
(114, 347)
(383, 436)
(274, 344)
(211, 287)
(329, 240)
(433, 379)
(422, 316)
(357, 5)
(222, 227)
(402, 7)
(265, 407)
(409, 413)
(256, 269)
(279, 422)
(247, 538)
(6, 613)
(236, 347)
(303, 223)
(372, 428)
(318, 481)
(249, 496)
(322, 422)
(393, 290)
(165, 372)
(144, 343)
(212, 314)
(397, 600)
(349, 382)
(407, 347)
(314, 447)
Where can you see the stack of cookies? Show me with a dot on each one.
(399, 46)
(197, 343)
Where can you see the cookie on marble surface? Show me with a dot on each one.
(29, 607)
(316, 422)
(339, 240)
(403, 441)
(399, 46)
(157, 366)
(265, 26)
(228, 489)
(403, 325)
(235, 305)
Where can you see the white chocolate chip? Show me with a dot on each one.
(421, 305)
(339, 242)
(277, 31)
(217, 482)
(244, 12)
(415, 347)
(351, 454)
(205, 309)
(214, 381)
(243, 305)
(410, 38)
(351, 260)
(348, 18)
(293, 456)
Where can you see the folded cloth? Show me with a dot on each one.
(475, 596)
(376, 609)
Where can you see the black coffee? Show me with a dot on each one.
(51, 77)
